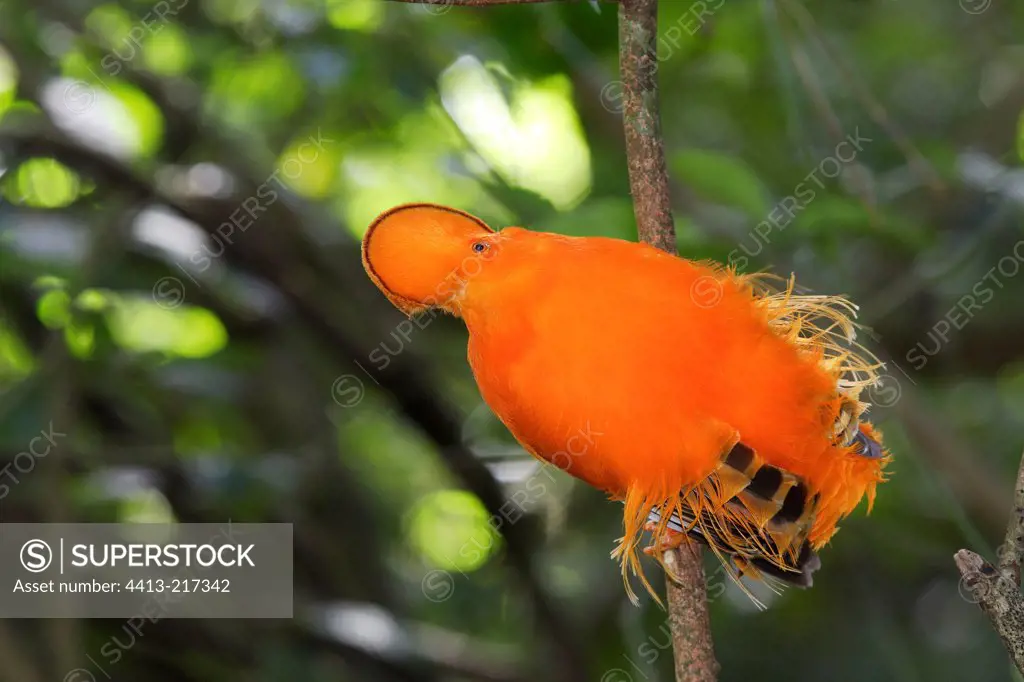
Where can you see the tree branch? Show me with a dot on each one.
(999, 597)
(997, 590)
(1010, 554)
(688, 615)
(648, 177)
(645, 149)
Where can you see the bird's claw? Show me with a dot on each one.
(670, 539)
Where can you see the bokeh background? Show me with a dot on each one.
(184, 184)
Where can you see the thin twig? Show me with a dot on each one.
(997, 591)
(809, 78)
(969, 479)
(874, 108)
(648, 177)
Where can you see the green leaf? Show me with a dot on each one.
(54, 309)
(45, 183)
(451, 531)
(143, 325)
(168, 52)
(8, 81)
(16, 361)
(722, 179)
(355, 15)
(80, 339)
(147, 117)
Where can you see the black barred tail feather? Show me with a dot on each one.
(755, 517)
(762, 528)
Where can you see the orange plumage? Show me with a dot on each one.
(704, 401)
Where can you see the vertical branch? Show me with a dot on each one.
(645, 150)
(688, 615)
(1013, 543)
(997, 590)
(648, 178)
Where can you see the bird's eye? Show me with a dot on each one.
(479, 247)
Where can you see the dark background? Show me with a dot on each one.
(183, 189)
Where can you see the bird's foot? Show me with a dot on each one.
(670, 539)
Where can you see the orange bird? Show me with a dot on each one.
(711, 405)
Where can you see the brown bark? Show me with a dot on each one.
(645, 149)
(688, 616)
(648, 177)
(997, 590)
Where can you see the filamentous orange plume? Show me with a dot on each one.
(710, 404)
